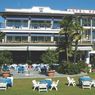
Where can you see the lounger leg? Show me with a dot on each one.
(56, 88)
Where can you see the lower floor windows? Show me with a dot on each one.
(17, 39)
(40, 39)
(23, 39)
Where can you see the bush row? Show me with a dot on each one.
(70, 68)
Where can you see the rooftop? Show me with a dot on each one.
(46, 11)
(38, 10)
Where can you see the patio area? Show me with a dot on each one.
(23, 86)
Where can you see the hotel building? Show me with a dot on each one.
(30, 32)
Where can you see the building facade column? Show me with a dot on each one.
(52, 39)
(29, 38)
(5, 38)
(52, 22)
(5, 22)
(81, 25)
(29, 22)
(91, 32)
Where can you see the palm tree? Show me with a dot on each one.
(76, 36)
(66, 30)
(70, 29)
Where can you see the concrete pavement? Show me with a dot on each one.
(36, 74)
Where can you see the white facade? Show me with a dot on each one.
(41, 25)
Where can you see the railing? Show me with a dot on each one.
(2, 25)
(24, 44)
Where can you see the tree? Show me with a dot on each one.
(70, 30)
(50, 57)
(5, 57)
(66, 30)
(1, 36)
(76, 36)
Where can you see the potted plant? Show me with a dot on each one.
(51, 73)
(50, 57)
(5, 70)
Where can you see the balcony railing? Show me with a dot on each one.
(27, 43)
(31, 26)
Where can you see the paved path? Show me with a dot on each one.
(36, 74)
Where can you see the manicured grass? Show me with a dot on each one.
(24, 87)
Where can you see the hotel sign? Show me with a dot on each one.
(81, 11)
(41, 9)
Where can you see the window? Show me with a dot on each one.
(40, 38)
(93, 22)
(24, 39)
(9, 38)
(25, 23)
(40, 24)
(93, 34)
(86, 22)
(14, 23)
(87, 34)
(34, 39)
(56, 25)
(17, 38)
(56, 38)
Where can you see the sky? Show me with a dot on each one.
(54, 4)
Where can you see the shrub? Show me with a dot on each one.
(29, 62)
(50, 57)
(70, 68)
(5, 57)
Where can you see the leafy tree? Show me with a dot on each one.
(50, 57)
(5, 57)
(1, 36)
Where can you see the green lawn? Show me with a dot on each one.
(24, 87)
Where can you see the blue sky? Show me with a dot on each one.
(54, 4)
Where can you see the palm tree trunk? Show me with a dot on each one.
(67, 59)
(75, 52)
(66, 47)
